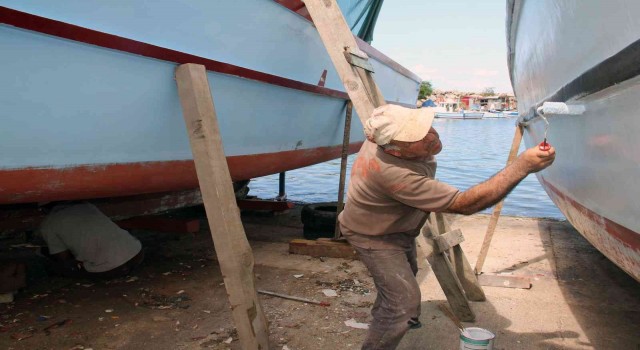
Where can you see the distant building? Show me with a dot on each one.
(452, 101)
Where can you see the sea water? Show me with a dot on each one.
(473, 151)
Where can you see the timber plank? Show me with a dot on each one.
(338, 39)
(449, 240)
(322, 248)
(446, 276)
(232, 246)
(505, 281)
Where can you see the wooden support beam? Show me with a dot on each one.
(232, 246)
(338, 39)
(160, 224)
(259, 204)
(323, 247)
(343, 166)
(467, 277)
(458, 261)
(449, 240)
(446, 276)
(22, 217)
(505, 281)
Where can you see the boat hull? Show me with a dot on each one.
(92, 110)
(593, 180)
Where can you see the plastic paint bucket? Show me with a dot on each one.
(474, 338)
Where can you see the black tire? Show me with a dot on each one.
(319, 219)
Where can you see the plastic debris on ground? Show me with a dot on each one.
(355, 324)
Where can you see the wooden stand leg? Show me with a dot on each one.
(447, 278)
(459, 261)
(232, 247)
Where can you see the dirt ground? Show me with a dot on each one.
(177, 299)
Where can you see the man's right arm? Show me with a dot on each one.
(490, 192)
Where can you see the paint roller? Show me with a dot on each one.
(555, 108)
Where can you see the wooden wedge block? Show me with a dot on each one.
(323, 247)
(505, 281)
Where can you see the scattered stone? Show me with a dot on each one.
(132, 279)
(108, 311)
(42, 318)
(229, 340)
(298, 276)
(330, 293)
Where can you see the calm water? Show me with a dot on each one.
(473, 151)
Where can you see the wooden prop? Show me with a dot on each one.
(343, 166)
(450, 266)
(493, 222)
(495, 280)
(322, 247)
(232, 247)
(350, 62)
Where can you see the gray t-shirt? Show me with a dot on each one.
(90, 236)
(388, 195)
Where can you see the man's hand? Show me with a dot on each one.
(533, 159)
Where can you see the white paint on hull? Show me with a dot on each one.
(551, 43)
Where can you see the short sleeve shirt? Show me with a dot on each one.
(90, 236)
(388, 195)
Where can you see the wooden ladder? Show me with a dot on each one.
(356, 72)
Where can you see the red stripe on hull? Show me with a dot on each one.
(620, 244)
(112, 180)
(629, 237)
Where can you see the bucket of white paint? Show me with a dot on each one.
(474, 338)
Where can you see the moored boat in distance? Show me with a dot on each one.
(585, 56)
(90, 109)
(459, 115)
(494, 115)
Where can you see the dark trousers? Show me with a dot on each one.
(397, 306)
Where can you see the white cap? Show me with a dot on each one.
(392, 122)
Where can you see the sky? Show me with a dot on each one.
(455, 44)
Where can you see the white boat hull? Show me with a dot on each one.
(587, 58)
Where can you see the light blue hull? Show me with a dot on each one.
(65, 103)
